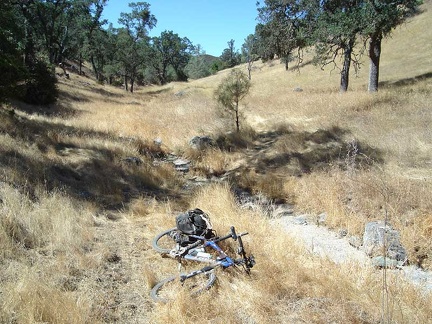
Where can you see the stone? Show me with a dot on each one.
(181, 165)
(133, 160)
(386, 263)
(376, 235)
(321, 219)
(157, 142)
(201, 142)
(355, 241)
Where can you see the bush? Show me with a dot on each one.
(41, 88)
(13, 72)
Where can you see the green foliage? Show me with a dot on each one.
(336, 31)
(217, 65)
(199, 65)
(282, 28)
(250, 52)
(332, 26)
(132, 41)
(230, 56)
(381, 18)
(41, 88)
(13, 71)
(11, 64)
(169, 50)
(231, 90)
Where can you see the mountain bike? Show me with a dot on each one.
(201, 250)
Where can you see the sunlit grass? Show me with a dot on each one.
(77, 156)
(287, 284)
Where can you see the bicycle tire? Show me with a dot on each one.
(167, 289)
(162, 246)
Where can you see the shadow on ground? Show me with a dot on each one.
(406, 82)
(268, 158)
(44, 156)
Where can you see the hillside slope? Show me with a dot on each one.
(84, 189)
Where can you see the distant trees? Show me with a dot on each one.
(36, 35)
(280, 32)
(169, 50)
(230, 56)
(42, 34)
(333, 27)
(250, 52)
(231, 90)
(199, 65)
(336, 32)
(132, 40)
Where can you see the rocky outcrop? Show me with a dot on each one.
(381, 240)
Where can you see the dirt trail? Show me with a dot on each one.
(120, 287)
(121, 294)
(320, 241)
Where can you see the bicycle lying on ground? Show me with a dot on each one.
(199, 280)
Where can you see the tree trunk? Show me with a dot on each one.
(346, 66)
(126, 82)
(374, 55)
(95, 69)
(237, 117)
(132, 82)
(80, 63)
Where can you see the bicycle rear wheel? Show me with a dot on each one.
(169, 288)
(163, 242)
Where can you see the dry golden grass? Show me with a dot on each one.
(288, 284)
(64, 254)
(42, 243)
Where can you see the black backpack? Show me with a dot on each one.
(194, 222)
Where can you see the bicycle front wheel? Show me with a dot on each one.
(163, 242)
(169, 288)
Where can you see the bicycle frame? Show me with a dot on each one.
(196, 252)
(222, 259)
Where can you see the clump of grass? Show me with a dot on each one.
(39, 237)
(351, 201)
(31, 300)
(211, 162)
(236, 140)
(269, 185)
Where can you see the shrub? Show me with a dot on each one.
(41, 88)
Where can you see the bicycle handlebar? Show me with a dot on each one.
(202, 239)
(232, 235)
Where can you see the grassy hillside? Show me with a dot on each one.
(84, 188)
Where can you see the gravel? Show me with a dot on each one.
(320, 241)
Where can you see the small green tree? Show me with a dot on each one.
(233, 89)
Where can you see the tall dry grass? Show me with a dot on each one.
(287, 285)
(43, 242)
(45, 238)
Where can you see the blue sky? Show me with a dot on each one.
(210, 23)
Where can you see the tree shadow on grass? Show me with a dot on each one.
(63, 109)
(405, 82)
(85, 172)
(297, 153)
